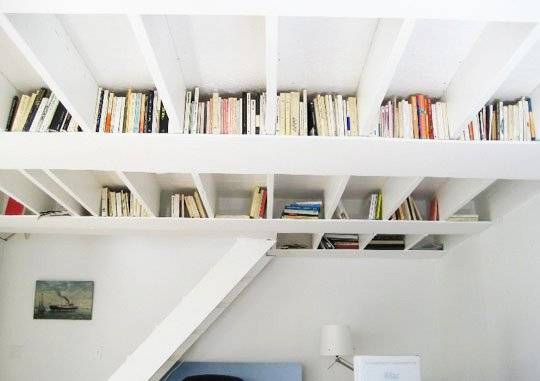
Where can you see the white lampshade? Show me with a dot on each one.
(336, 340)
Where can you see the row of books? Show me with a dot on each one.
(351, 242)
(258, 202)
(245, 115)
(121, 204)
(419, 117)
(335, 241)
(40, 111)
(134, 112)
(325, 115)
(302, 210)
(500, 121)
(375, 206)
(407, 211)
(187, 206)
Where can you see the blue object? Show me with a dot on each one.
(247, 371)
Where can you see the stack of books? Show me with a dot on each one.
(503, 121)
(339, 241)
(324, 115)
(137, 112)
(464, 218)
(375, 206)
(39, 112)
(258, 203)
(187, 206)
(244, 115)
(418, 118)
(407, 211)
(387, 242)
(302, 210)
(121, 204)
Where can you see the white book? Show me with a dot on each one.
(262, 122)
(104, 202)
(187, 113)
(372, 206)
(304, 127)
(121, 117)
(215, 113)
(288, 114)
(339, 114)
(248, 113)
(281, 115)
(182, 206)
(40, 114)
(195, 112)
(72, 126)
(253, 114)
(114, 117)
(238, 128)
(51, 109)
(155, 113)
(295, 113)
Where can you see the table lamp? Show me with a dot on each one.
(336, 341)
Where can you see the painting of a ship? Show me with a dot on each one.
(72, 300)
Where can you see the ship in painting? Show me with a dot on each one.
(67, 306)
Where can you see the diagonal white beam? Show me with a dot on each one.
(195, 308)
(497, 52)
(46, 45)
(387, 47)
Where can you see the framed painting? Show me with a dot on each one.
(68, 300)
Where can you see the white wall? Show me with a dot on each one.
(390, 305)
(492, 285)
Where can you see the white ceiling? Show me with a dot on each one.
(433, 55)
(220, 53)
(323, 54)
(108, 46)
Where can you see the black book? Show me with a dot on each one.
(58, 118)
(12, 112)
(66, 122)
(257, 113)
(100, 105)
(385, 247)
(33, 111)
(312, 124)
(163, 121)
(244, 113)
(149, 111)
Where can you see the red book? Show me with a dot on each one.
(434, 210)
(262, 210)
(430, 118)
(422, 116)
(13, 208)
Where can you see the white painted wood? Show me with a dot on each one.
(333, 190)
(389, 43)
(394, 191)
(269, 196)
(145, 188)
(83, 186)
(154, 38)
(382, 254)
(258, 154)
(48, 48)
(451, 197)
(207, 189)
(193, 309)
(497, 52)
(7, 92)
(16, 185)
(522, 10)
(272, 60)
(40, 179)
(229, 227)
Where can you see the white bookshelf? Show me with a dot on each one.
(467, 55)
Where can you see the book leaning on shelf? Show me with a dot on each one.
(407, 211)
(187, 206)
(419, 117)
(258, 203)
(503, 121)
(121, 204)
(375, 206)
(39, 112)
(324, 115)
(130, 112)
(244, 115)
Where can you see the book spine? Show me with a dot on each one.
(35, 106)
(149, 111)
(163, 121)
(12, 112)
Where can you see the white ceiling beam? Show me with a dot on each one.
(46, 45)
(521, 10)
(497, 52)
(41, 179)
(192, 311)
(154, 38)
(14, 184)
(389, 42)
(145, 188)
